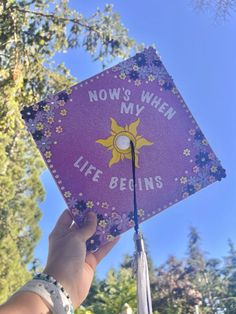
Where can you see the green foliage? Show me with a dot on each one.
(229, 272)
(222, 9)
(178, 286)
(31, 33)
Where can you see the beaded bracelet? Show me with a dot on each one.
(52, 292)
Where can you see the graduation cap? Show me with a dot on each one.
(124, 136)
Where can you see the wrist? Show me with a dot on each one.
(25, 303)
(66, 283)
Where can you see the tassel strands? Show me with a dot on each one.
(140, 265)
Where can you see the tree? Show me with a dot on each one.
(222, 9)
(114, 291)
(229, 271)
(31, 32)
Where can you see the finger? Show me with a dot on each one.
(105, 249)
(88, 228)
(64, 222)
(91, 261)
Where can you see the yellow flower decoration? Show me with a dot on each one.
(50, 120)
(48, 154)
(129, 131)
(39, 126)
(59, 129)
(63, 112)
(46, 108)
(89, 204)
(151, 78)
(67, 194)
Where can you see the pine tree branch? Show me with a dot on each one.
(59, 18)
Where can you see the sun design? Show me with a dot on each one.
(129, 131)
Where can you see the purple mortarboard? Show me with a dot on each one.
(84, 137)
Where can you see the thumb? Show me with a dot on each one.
(88, 228)
(63, 223)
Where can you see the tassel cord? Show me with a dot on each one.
(140, 258)
(136, 223)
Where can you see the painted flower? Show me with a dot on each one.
(39, 126)
(50, 120)
(190, 189)
(131, 216)
(162, 74)
(48, 154)
(197, 186)
(44, 144)
(192, 180)
(186, 152)
(143, 72)
(81, 205)
(205, 142)
(61, 102)
(102, 223)
(140, 59)
(151, 77)
(135, 67)
(192, 132)
(75, 211)
(114, 230)
(211, 156)
(133, 75)
(40, 116)
(63, 112)
(126, 66)
(185, 194)
(140, 212)
(31, 125)
(174, 90)
(63, 96)
(105, 205)
(199, 135)
(195, 169)
(67, 194)
(37, 135)
(102, 233)
(129, 131)
(202, 178)
(213, 169)
(161, 82)
(220, 173)
(137, 82)
(72, 202)
(157, 62)
(183, 180)
(211, 179)
(93, 243)
(47, 108)
(28, 113)
(89, 204)
(47, 133)
(59, 129)
(99, 217)
(202, 159)
(153, 70)
(35, 107)
(122, 75)
(168, 85)
(110, 237)
(41, 105)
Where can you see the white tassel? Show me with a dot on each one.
(142, 276)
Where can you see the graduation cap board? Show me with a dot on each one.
(84, 137)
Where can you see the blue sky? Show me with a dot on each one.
(200, 55)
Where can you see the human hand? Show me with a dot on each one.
(68, 262)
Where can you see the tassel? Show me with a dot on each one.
(142, 276)
(140, 265)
